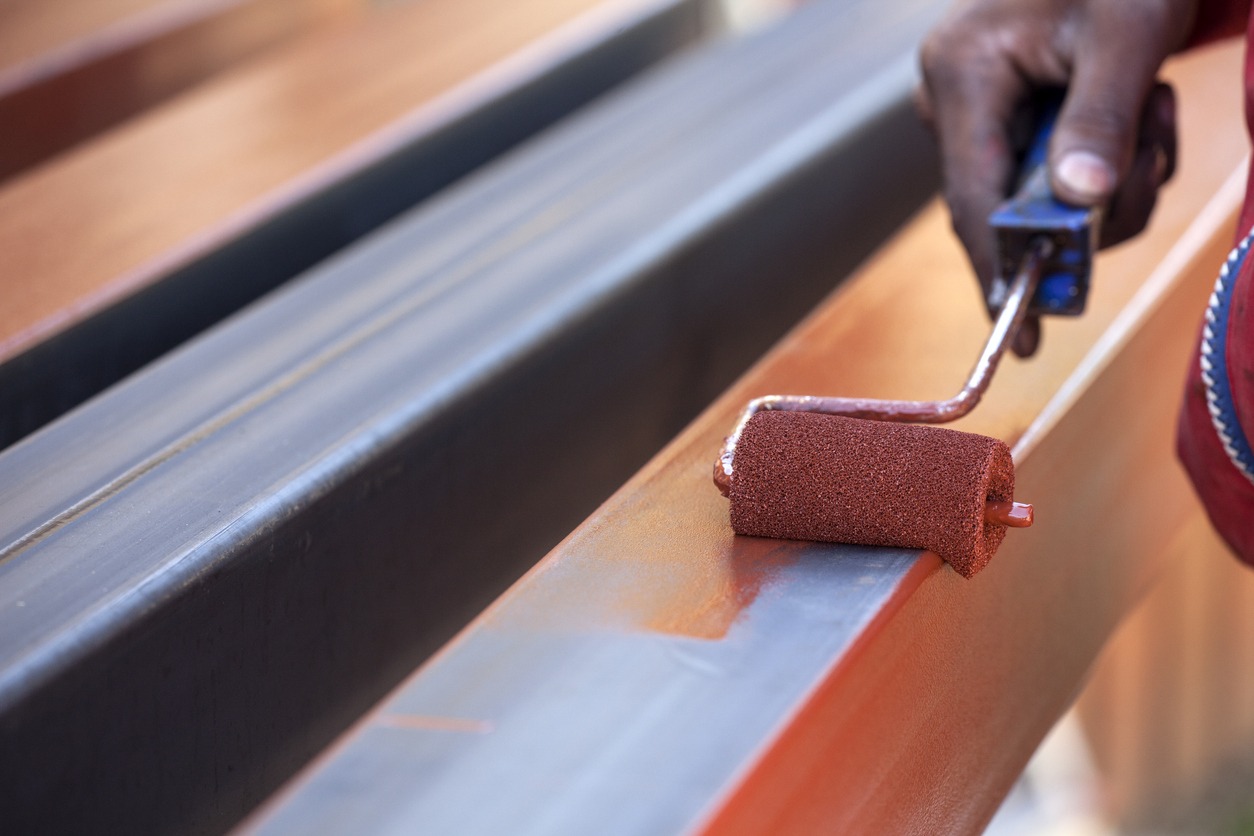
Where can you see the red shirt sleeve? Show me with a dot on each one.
(1218, 19)
(1225, 490)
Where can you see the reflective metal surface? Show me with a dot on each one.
(515, 731)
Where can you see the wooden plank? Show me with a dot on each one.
(69, 70)
(213, 568)
(655, 673)
(181, 217)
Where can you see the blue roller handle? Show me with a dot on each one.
(1033, 211)
(1038, 151)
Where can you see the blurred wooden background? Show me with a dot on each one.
(1169, 711)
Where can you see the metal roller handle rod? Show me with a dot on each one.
(1005, 328)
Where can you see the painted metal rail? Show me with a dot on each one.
(209, 570)
(72, 69)
(656, 674)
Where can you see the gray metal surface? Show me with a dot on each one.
(210, 569)
(61, 372)
(569, 730)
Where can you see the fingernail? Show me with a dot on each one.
(1085, 175)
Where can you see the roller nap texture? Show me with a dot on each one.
(804, 476)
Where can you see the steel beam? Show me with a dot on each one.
(208, 571)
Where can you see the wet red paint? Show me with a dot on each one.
(713, 607)
(1010, 514)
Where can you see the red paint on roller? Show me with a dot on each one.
(806, 476)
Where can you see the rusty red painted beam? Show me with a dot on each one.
(69, 70)
(655, 673)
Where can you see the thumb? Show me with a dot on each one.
(1095, 139)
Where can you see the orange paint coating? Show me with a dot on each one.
(715, 609)
(645, 587)
(428, 723)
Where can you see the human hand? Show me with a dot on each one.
(1115, 141)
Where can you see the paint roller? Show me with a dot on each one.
(854, 470)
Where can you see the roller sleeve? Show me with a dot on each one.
(806, 476)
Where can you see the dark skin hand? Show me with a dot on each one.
(1115, 140)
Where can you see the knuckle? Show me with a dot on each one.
(1017, 40)
(936, 58)
(953, 45)
(973, 54)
